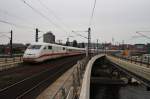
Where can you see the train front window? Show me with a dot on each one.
(34, 47)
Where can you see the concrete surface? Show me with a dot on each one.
(52, 89)
(134, 92)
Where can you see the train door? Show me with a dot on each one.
(64, 50)
(45, 50)
(50, 49)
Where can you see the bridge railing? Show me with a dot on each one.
(137, 60)
(71, 87)
(7, 62)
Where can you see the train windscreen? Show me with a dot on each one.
(34, 47)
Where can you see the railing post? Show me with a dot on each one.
(20, 58)
(126, 58)
(148, 62)
(135, 60)
(74, 85)
(80, 69)
(141, 60)
(13, 59)
(63, 92)
(5, 59)
(122, 57)
(131, 59)
(78, 76)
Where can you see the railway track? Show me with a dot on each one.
(31, 86)
(23, 71)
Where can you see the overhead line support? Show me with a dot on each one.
(89, 41)
(11, 47)
(36, 35)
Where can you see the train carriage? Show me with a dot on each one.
(38, 52)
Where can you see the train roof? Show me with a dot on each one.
(42, 43)
(68, 47)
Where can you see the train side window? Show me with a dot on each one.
(50, 47)
(45, 48)
(63, 48)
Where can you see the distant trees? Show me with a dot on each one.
(82, 45)
(2, 51)
(75, 44)
(67, 43)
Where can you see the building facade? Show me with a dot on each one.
(49, 37)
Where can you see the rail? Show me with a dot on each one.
(29, 86)
(71, 86)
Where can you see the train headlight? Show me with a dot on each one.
(33, 55)
(30, 54)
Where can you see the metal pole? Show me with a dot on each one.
(97, 46)
(89, 40)
(11, 49)
(105, 48)
(36, 35)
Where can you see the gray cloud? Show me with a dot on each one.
(113, 18)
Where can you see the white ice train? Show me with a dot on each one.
(39, 52)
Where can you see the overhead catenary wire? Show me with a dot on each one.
(79, 34)
(11, 15)
(90, 21)
(57, 18)
(92, 14)
(4, 36)
(4, 32)
(51, 12)
(21, 19)
(47, 18)
(13, 24)
(143, 35)
(143, 31)
(42, 15)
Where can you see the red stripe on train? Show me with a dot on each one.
(52, 54)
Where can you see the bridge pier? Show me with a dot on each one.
(129, 80)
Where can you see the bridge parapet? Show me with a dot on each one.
(85, 89)
(141, 73)
(70, 87)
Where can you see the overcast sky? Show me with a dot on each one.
(118, 19)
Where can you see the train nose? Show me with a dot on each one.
(30, 57)
(31, 54)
